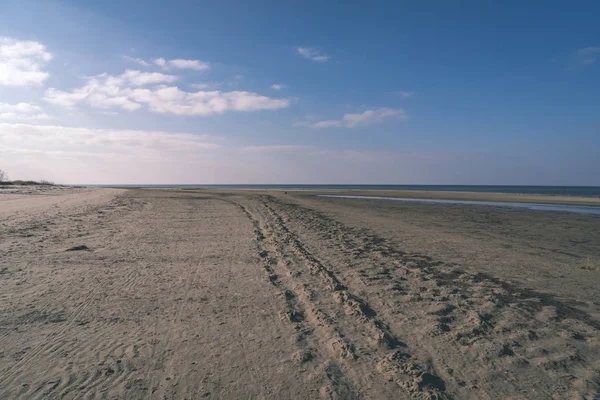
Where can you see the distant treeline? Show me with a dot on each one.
(28, 183)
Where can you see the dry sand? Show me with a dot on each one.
(173, 294)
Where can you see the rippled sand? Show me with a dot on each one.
(111, 293)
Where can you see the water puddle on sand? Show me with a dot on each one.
(532, 206)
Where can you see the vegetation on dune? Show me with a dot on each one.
(4, 181)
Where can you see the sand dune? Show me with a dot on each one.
(112, 293)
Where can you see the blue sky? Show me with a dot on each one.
(448, 92)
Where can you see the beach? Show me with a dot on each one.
(213, 293)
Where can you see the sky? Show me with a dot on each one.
(323, 92)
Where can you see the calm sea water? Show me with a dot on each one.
(591, 191)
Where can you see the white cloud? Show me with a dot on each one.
(588, 55)
(175, 101)
(366, 118)
(16, 116)
(21, 111)
(106, 91)
(215, 85)
(189, 64)
(24, 108)
(124, 91)
(196, 65)
(161, 62)
(178, 63)
(137, 61)
(22, 62)
(312, 54)
(278, 86)
(139, 78)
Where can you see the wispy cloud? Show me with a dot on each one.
(137, 61)
(351, 155)
(55, 137)
(202, 86)
(139, 78)
(85, 155)
(404, 94)
(213, 85)
(365, 118)
(177, 63)
(587, 55)
(313, 54)
(22, 62)
(196, 65)
(22, 111)
(285, 147)
(129, 91)
(278, 86)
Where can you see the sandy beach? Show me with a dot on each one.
(182, 294)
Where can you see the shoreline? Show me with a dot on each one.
(580, 209)
(473, 196)
(418, 194)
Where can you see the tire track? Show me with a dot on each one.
(328, 343)
(393, 364)
(459, 310)
(393, 359)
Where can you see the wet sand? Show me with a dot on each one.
(114, 293)
(469, 196)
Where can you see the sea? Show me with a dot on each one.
(588, 191)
